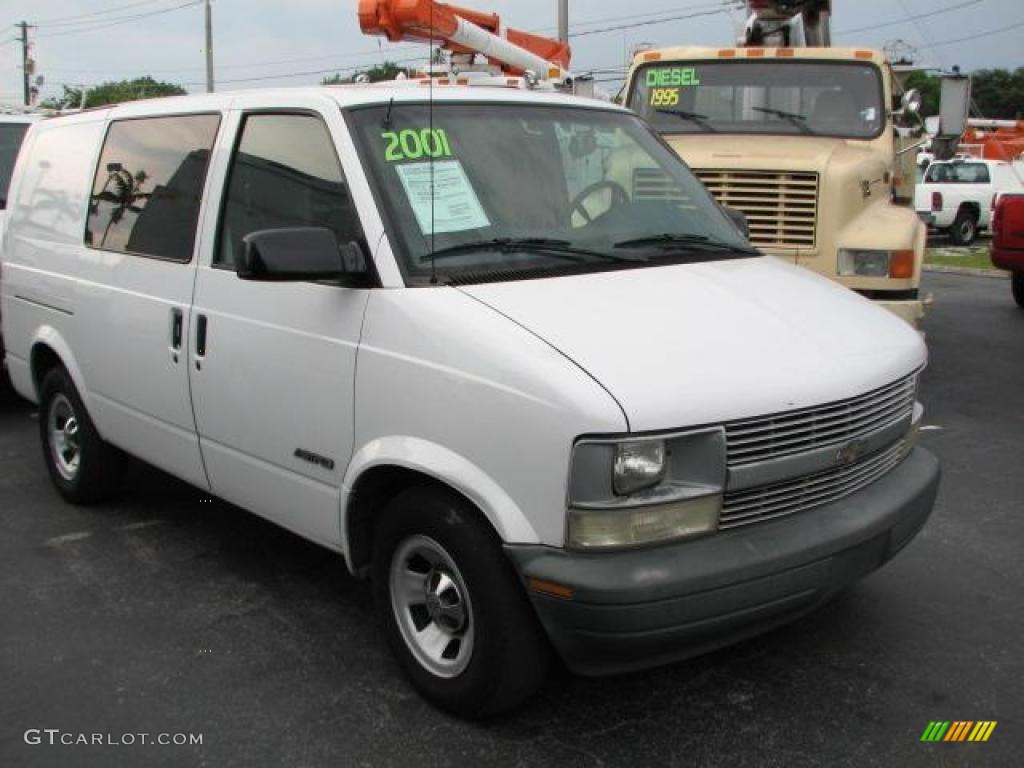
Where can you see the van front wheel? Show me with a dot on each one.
(454, 612)
(81, 465)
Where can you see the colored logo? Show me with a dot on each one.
(958, 730)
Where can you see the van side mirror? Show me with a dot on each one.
(739, 218)
(299, 254)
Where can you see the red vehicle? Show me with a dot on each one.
(1008, 240)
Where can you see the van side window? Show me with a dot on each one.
(285, 173)
(149, 186)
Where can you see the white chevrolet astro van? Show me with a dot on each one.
(558, 403)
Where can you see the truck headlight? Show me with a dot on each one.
(869, 263)
(632, 491)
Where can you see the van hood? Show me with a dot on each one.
(683, 345)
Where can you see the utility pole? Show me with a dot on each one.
(209, 48)
(563, 20)
(24, 61)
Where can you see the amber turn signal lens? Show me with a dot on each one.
(902, 264)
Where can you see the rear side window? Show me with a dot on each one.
(284, 173)
(149, 186)
(11, 135)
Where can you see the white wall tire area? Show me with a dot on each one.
(83, 467)
(1017, 285)
(454, 612)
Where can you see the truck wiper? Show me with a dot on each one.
(800, 121)
(693, 117)
(562, 248)
(688, 241)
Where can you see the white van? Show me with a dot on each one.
(558, 402)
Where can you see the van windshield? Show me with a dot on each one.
(486, 192)
(11, 135)
(839, 99)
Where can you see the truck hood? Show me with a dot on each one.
(684, 345)
(799, 153)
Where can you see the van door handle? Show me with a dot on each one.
(200, 340)
(177, 318)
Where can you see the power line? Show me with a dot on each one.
(1000, 30)
(122, 20)
(633, 25)
(91, 18)
(911, 18)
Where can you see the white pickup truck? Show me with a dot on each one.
(957, 196)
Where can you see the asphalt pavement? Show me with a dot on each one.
(169, 612)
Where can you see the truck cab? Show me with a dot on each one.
(803, 142)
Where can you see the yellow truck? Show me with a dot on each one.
(803, 141)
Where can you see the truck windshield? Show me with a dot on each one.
(11, 135)
(835, 99)
(525, 191)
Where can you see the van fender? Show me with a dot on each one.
(48, 336)
(446, 467)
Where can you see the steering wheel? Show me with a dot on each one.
(619, 197)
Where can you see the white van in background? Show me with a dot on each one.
(458, 343)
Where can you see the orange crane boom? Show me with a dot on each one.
(464, 31)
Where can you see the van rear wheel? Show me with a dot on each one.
(453, 610)
(82, 466)
(1017, 283)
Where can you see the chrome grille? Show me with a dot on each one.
(781, 207)
(771, 501)
(786, 434)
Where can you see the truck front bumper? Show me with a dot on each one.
(911, 310)
(643, 608)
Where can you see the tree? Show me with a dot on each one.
(998, 93)
(386, 71)
(114, 92)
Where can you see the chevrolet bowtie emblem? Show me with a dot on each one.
(851, 453)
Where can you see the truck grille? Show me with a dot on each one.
(785, 434)
(781, 208)
(770, 501)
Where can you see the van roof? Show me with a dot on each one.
(345, 96)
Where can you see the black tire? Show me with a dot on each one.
(1017, 284)
(94, 477)
(965, 227)
(506, 656)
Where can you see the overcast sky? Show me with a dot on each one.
(263, 42)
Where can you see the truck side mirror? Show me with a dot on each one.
(954, 106)
(911, 101)
(300, 254)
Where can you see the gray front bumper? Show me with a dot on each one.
(643, 608)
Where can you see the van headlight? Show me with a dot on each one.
(633, 491)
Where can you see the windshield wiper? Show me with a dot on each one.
(693, 117)
(688, 241)
(562, 248)
(800, 121)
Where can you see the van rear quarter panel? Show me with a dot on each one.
(43, 247)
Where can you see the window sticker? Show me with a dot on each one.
(666, 82)
(455, 208)
(412, 144)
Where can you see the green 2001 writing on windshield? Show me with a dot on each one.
(413, 144)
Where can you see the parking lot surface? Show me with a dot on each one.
(171, 612)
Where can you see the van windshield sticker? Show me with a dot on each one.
(413, 144)
(456, 206)
(666, 82)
